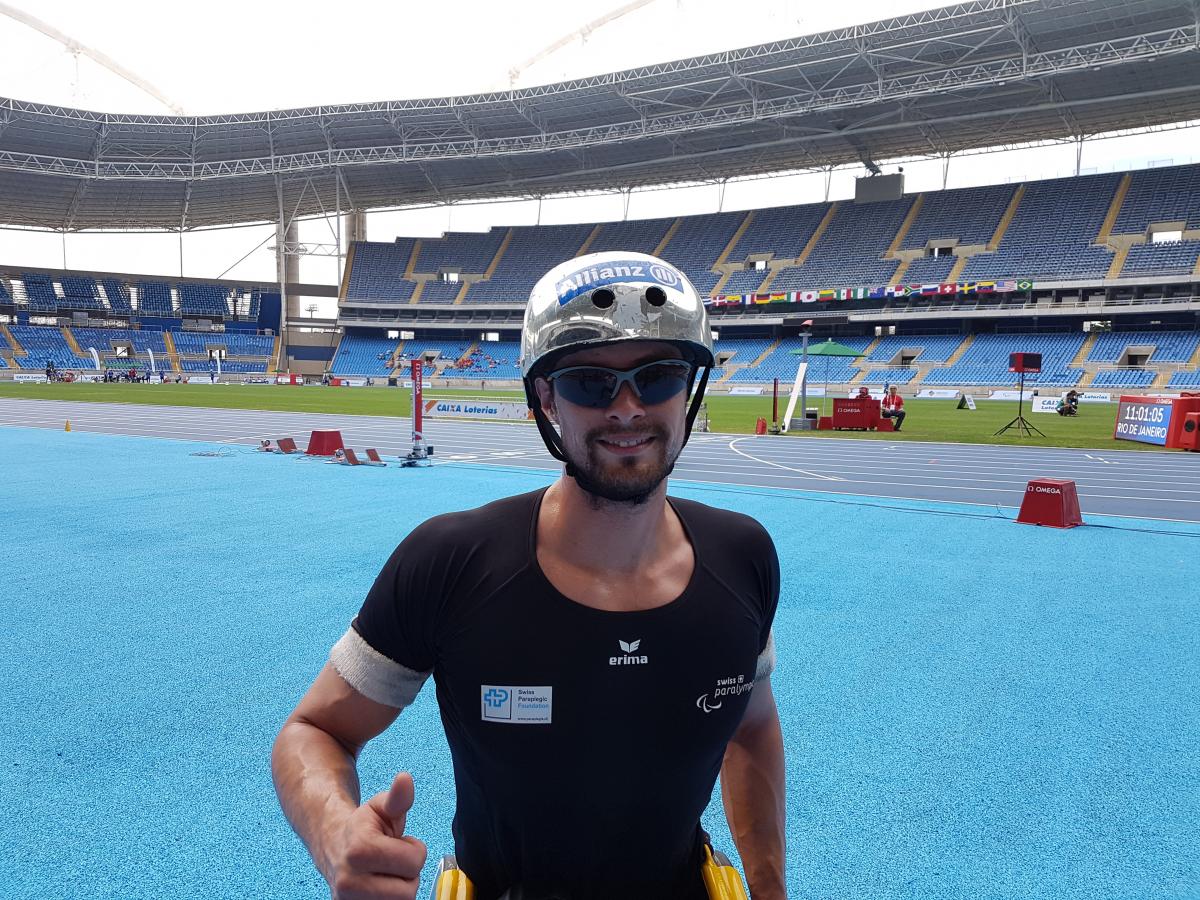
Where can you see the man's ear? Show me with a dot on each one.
(545, 392)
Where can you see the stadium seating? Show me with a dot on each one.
(102, 338)
(744, 281)
(231, 366)
(196, 343)
(491, 360)
(117, 294)
(1123, 378)
(45, 344)
(744, 350)
(933, 347)
(1052, 233)
(782, 362)
(5, 296)
(1169, 346)
(80, 292)
(698, 242)
(850, 250)
(1164, 258)
(533, 251)
(459, 252)
(39, 293)
(203, 300)
(358, 354)
(637, 236)
(985, 362)
(969, 214)
(377, 272)
(1170, 194)
(898, 375)
(929, 269)
(1185, 380)
(154, 298)
(781, 231)
(440, 291)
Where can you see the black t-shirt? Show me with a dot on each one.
(585, 742)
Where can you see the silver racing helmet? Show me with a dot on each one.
(608, 298)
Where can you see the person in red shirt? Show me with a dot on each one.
(893, 407)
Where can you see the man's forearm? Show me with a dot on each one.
(317, 785)
(752, 788)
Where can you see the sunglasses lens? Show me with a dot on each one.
(659, 383)
(586, 387)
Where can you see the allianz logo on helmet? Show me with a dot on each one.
(580, 281)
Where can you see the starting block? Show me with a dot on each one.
(345, 457)
(373, 458)
(1050, 501)
(283, 445)
(324, 443)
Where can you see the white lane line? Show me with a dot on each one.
(765, 462)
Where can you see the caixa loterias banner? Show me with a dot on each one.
(880, 292)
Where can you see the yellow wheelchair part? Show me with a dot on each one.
(452, 882)
(721, 879)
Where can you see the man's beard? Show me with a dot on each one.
(628, 480)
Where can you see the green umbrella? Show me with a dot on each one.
(827, 349)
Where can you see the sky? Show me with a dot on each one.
(226, 56)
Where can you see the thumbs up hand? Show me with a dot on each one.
(374, 859)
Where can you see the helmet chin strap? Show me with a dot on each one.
(554, 442)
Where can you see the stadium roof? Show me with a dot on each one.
(982, 74)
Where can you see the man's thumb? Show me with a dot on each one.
(398, 801)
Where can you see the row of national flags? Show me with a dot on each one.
(883, 292)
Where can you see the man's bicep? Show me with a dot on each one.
(336, 707)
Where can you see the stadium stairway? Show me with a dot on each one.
(1162, 379)
(1196, 268)
(1085, 351)
(898, 275)
(173, 354)
(1118, 262)
(418, 290)
(816, 235)
(771, 349)
(276, 350)
(494, 264)
(17, 349)
(662, 245)
(1193, 363)
(733, 241)
(72, 343)
(956, 269)
(954, 357)
(766, 282)
(1088, 376)
(1006, 219)
(902, 232)
(1114, 210)
(412, 259)
(590, 239)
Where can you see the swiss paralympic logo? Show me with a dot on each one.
(496, 697)
(613, 271)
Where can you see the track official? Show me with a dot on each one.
(600, 651)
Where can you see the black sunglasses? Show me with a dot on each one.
(597, 386)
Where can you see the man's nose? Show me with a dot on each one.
(626, 406)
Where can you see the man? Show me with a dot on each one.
(601, 652)
(893, 407)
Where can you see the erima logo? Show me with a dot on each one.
(571, 286)
(628, 648)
